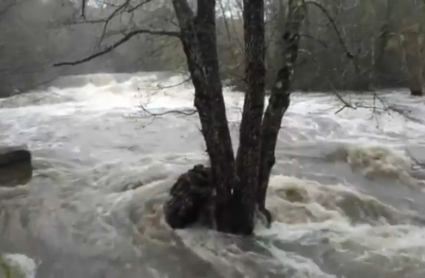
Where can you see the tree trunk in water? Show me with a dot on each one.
(412, 48)
(240, 184)
(280, 96)
(415, 68)
(199, 43)
(416, 80)
(250, 130)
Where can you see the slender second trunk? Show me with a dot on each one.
(280, 96)
(200, 46)
(412, 49)
(250, 130)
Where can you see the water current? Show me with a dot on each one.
(345, 194)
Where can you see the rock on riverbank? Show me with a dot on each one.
(15, 166)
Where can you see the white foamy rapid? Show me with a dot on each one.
(345, 198)
(18, 264)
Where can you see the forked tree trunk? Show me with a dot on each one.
(280, 96)
(239, 188)
(240, 184)
(199, 44)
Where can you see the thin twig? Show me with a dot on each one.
(168, 87)
(185, 112)
(326, 13)
(346, 103)
(409, 154)
(132, 9)
(175, 85)
(315, 39)
(110, 17)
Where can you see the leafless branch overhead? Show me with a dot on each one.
(118, 43)
(326, 13)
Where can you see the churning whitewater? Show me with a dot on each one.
(345, 195)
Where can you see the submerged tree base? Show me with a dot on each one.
(193, 202)
(190, 199)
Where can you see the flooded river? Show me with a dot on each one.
(346, 198)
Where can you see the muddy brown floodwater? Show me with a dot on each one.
(345, 198)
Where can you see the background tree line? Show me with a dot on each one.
(351, 45)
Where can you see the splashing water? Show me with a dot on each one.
(344, 197)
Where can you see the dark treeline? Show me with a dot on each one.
(345, 45)
(34, 34)
(349, 44)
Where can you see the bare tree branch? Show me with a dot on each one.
(315, 39)
(110, 17)
(154, 116)
(83, 8)
(159, 87)
(118, 43)
(386, 107)
(120, 9)
(132, 9)
(414, 160)
(125, 7)
(185, 112)
(326, 13)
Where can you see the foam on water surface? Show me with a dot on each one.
(19, 264)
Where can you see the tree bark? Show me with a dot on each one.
(280, 97)
(242, 184)
(198, 37)
(249, 137)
